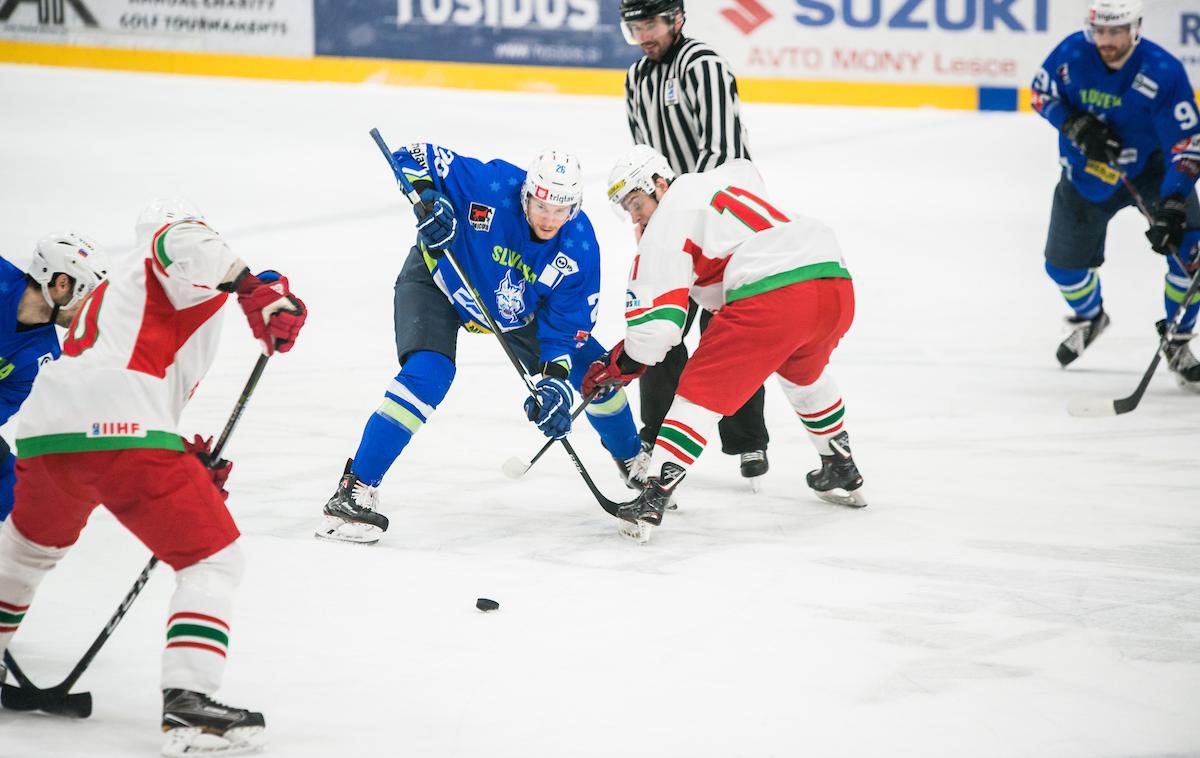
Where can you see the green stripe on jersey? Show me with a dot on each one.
(79, 442)
(829, 420)
(827, 270)
(7, 618)
(196, 630)
(671, 313)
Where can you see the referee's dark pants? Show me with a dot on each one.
(740, 433)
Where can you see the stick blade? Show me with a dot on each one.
(515, 468)
(74, 705)
(1092, 407)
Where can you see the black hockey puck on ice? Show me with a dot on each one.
(486, 605)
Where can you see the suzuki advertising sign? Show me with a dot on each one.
(984, 42)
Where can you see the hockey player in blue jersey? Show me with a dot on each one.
(64, 270)
(1125, 112)
(532, 255)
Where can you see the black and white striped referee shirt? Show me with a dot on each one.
(686, 107)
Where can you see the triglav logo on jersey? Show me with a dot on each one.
(748, 15)
(50, 11)
(481, 217)
(510, 297)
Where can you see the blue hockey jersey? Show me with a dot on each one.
(22, 351)
(516, 275)
(1148, 102)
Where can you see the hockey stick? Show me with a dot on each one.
(1096, 407)
(515, 468)
(410, 192)
(59, 699)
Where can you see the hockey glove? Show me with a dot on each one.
(218, 470)
(274, 313)
(436, 224)
(551, 408)
(613, 370)
(1094, 138)
(1167, 225)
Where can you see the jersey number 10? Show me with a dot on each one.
(728, 200)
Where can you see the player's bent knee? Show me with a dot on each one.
(428, 375)
(23, 557)
(216, 575)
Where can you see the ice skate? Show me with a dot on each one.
(1083, 333)
(351, 514)
(634, 470)
(640, 515)
(753, 466)
(838, 480)
(197, 725)
(1180, 359)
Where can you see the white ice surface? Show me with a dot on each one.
(1023, 583)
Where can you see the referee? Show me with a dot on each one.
(681, 99)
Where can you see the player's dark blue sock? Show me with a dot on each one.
(1079, 287)
(407, 404)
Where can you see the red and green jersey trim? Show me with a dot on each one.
(198, 631)
(80, 442)
(681, 441)
(671, 306)
(10, 616)
(824, 422)
(159, 243)
(826, 270)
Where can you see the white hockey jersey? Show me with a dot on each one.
(135, 352)
(715, 238)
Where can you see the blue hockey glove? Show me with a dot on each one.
(552, 409)
(436, 224)
(1167, 225)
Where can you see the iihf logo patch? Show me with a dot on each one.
(480, 217)
(671, 92)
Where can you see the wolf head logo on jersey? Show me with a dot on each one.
(510, 296)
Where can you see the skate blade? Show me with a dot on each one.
(853, 498)
(354, 532)
(1184, 384)
(638, 531)
(183, 742)
(755, 484)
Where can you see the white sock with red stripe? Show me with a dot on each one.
(198, 623)
(819, 407)
(23, 565)
(683, 435)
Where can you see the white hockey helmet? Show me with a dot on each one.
(165, 210)
(636, 171)
(555, 178)
(1115, 13)
(71, 254)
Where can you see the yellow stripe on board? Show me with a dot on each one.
(578, 81)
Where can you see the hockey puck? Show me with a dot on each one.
(486, 605)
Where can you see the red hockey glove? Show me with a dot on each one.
(218, 470)
(613, 370)
(274, 313)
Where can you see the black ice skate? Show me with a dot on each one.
(753, 465)
(838, 480)
(633, 470)
(351, 514)
(1180, 359)
(1083, 333)
(640, 515)
(197, 725)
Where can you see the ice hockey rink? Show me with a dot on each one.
(1023, 582)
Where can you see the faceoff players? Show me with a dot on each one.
(1127, 114)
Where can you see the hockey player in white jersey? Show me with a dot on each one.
(100, 428)
(782, 299)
